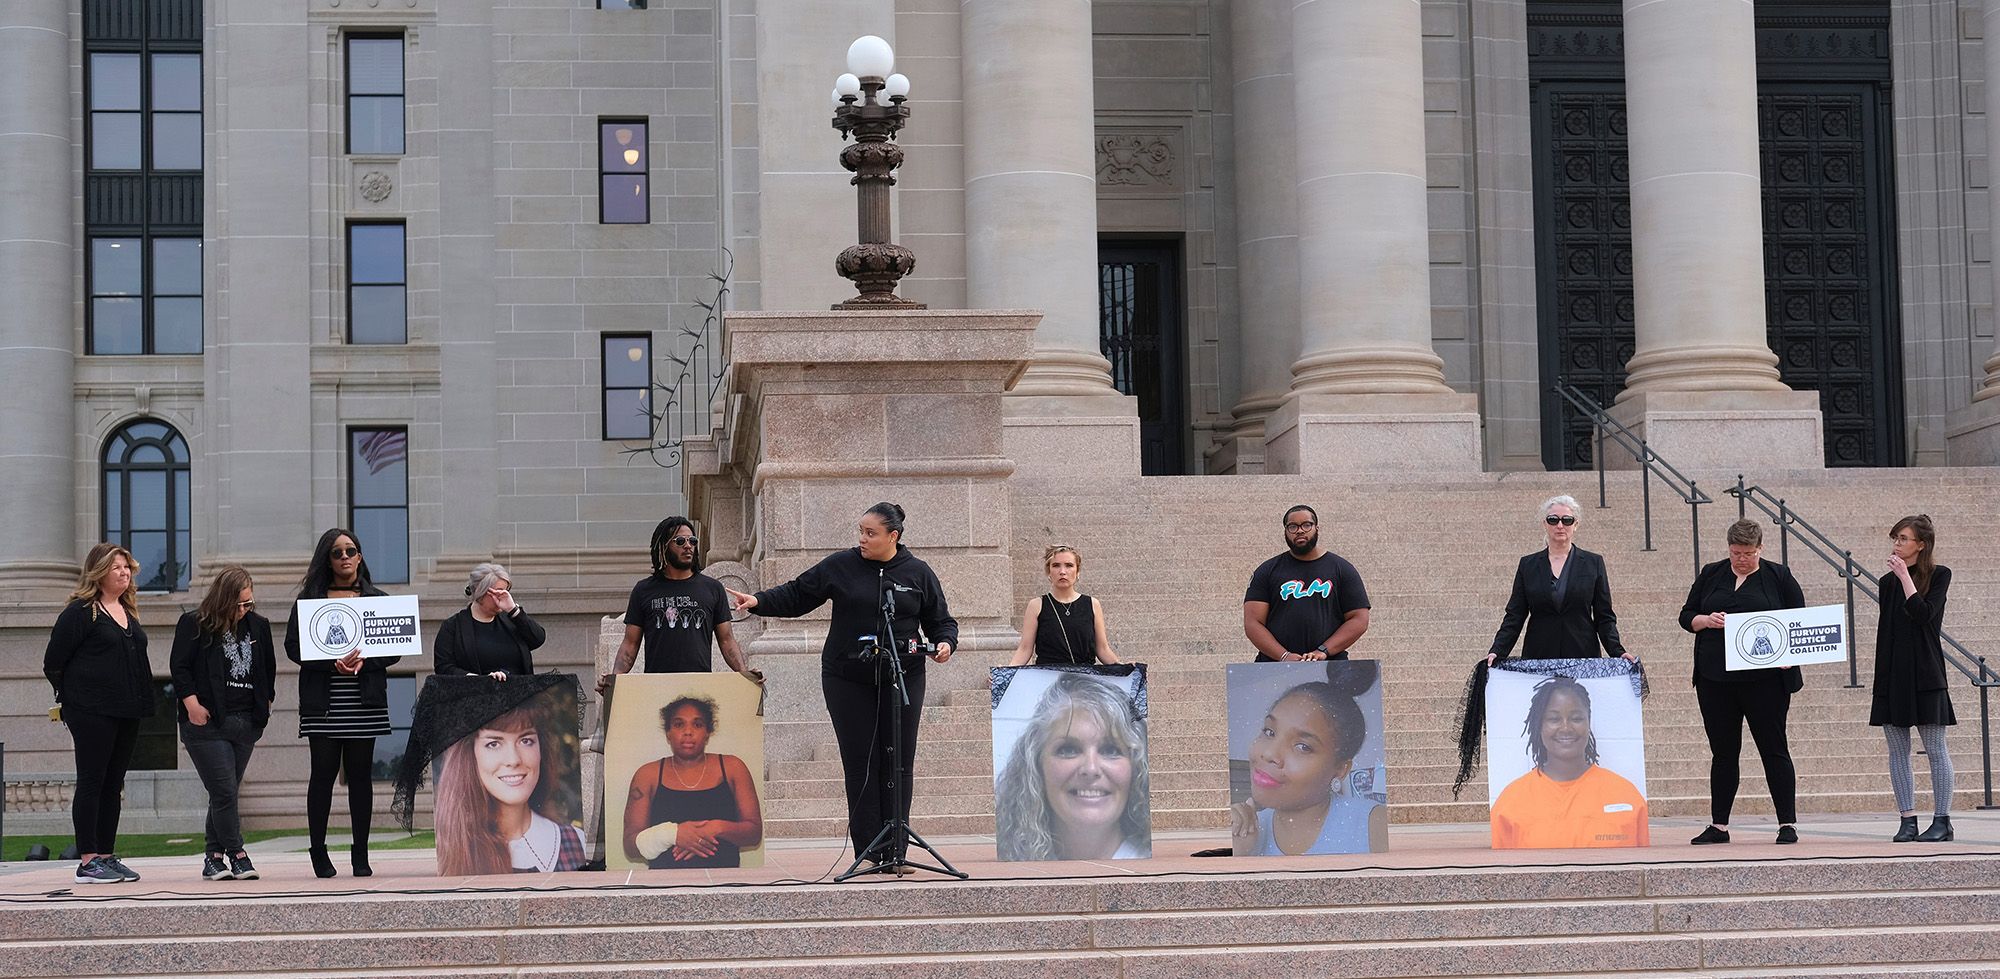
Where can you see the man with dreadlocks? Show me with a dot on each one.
(681, 613)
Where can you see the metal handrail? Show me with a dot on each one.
(1856, 577)
(1650, 461)
(683, 408)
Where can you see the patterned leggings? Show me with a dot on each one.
(1899, 766)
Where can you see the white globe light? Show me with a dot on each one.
(836, 96)
(846, 85)
(897, 86)
(870, 55)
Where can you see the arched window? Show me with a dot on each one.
(146, 501)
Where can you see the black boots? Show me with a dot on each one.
(322, 867)
(1905, 832)
(358, 855)
(1940, 831)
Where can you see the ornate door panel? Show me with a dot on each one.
(1139, 331)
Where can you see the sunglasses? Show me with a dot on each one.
(1553, 519)
(684, 541)
(343, 553)
(247, 605)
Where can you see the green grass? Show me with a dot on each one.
(189, 844)
(422, 839)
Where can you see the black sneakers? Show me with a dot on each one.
(1787, 834)
(96, 871)
(240, 866)
(1709, 834)
(213, 867)
(118, 867)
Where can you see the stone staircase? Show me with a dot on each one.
(1169, 557)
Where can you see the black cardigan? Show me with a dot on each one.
(316, 675)
(453, 656)
(853, 584)
(1709, 662)
(1572, 630)
(201, 668)
(96, 667)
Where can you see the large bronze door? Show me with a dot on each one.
(1139, 331)
(1829, 231)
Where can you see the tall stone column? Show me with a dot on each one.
(1972, 433)
(1267, 246)
(1367, 390)
(38, 546)
(1702, 385)
(1031, 227)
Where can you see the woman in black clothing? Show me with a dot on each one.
(1743, 583)
(858, 691)
(1562, 595)
(492, 635)
(1909, 674)
(343, 703)
(226, 670)
(96, 661)
(1063, 627)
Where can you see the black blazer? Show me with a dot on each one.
(316, 675)
(1769, 588)
(1573, 630)
(201, 668)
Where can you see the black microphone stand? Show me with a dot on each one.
(890, 848)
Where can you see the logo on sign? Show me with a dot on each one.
(1762, 641)
(337, 629)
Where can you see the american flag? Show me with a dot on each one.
(385, 448)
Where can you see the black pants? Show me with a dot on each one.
(1724, 708)
(329, 757)
(860, 709)
(103, 755)
(221, 751)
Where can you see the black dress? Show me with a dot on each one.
(1066, 633)
(1909, 656)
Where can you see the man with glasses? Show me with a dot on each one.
(680, 612)
(1307, 603)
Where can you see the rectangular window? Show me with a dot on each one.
(378, 499)
(376, 280)
(115, 111)
(621, 4)
(623, 188)
(628, 386)
(176, 296)
(141, 304)
(176, 111)
(375, 94)
(117, 296)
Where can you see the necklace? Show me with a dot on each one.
(700, 766)
(1063, 606)
(541, 863)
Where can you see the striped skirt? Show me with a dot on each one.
(346, 716)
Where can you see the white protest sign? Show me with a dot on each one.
(330, 628)
(1786, 637)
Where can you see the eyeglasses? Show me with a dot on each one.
(1293, 528)
(684, 541)
(1900, 539)
(343, 553)
(1565, 520)
(247, 605)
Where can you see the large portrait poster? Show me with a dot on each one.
(684, 772)
(1307, 763)
(1069, 763)
(509, 791)
(1566, 762)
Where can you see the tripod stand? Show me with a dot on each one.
(890, 848)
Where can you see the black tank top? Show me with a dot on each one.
(672, 805)
(1066, 633)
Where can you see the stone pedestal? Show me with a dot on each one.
(1055, 435)
(1972, 434)
(1737, 431)
(1354, 433)
(830, 412)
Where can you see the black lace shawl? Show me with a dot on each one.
(452, 707)
(1471, 722)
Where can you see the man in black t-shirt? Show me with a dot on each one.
(1307, 603)
(679, 613)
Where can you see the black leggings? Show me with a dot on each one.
(1724, 708)
(329, 756)
(103, 754)
(860, 712)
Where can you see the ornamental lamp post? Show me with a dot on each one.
(875, 264)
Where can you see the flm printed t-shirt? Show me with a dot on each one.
(677, 619)
(1308, 599)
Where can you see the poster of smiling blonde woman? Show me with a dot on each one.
(1566, 763)
(1306, 761)
(1069, 763)
(684, 772)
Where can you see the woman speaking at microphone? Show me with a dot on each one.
(859, 690)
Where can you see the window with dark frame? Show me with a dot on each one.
(621, 4)
(628, 386)
(624, 189)
(375, 94)
(378, 499)
(146, 499)
(377, 283)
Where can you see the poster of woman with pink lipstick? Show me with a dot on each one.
(1069, 761)
(1306, 759)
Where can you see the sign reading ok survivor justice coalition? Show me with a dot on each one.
(381, 626)
(1786, 637)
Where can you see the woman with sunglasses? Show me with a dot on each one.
(343, 704)
(1562, 595)
(225, 669)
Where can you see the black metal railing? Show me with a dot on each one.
(1856, 578)
(683, 407)
(1651, 465)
